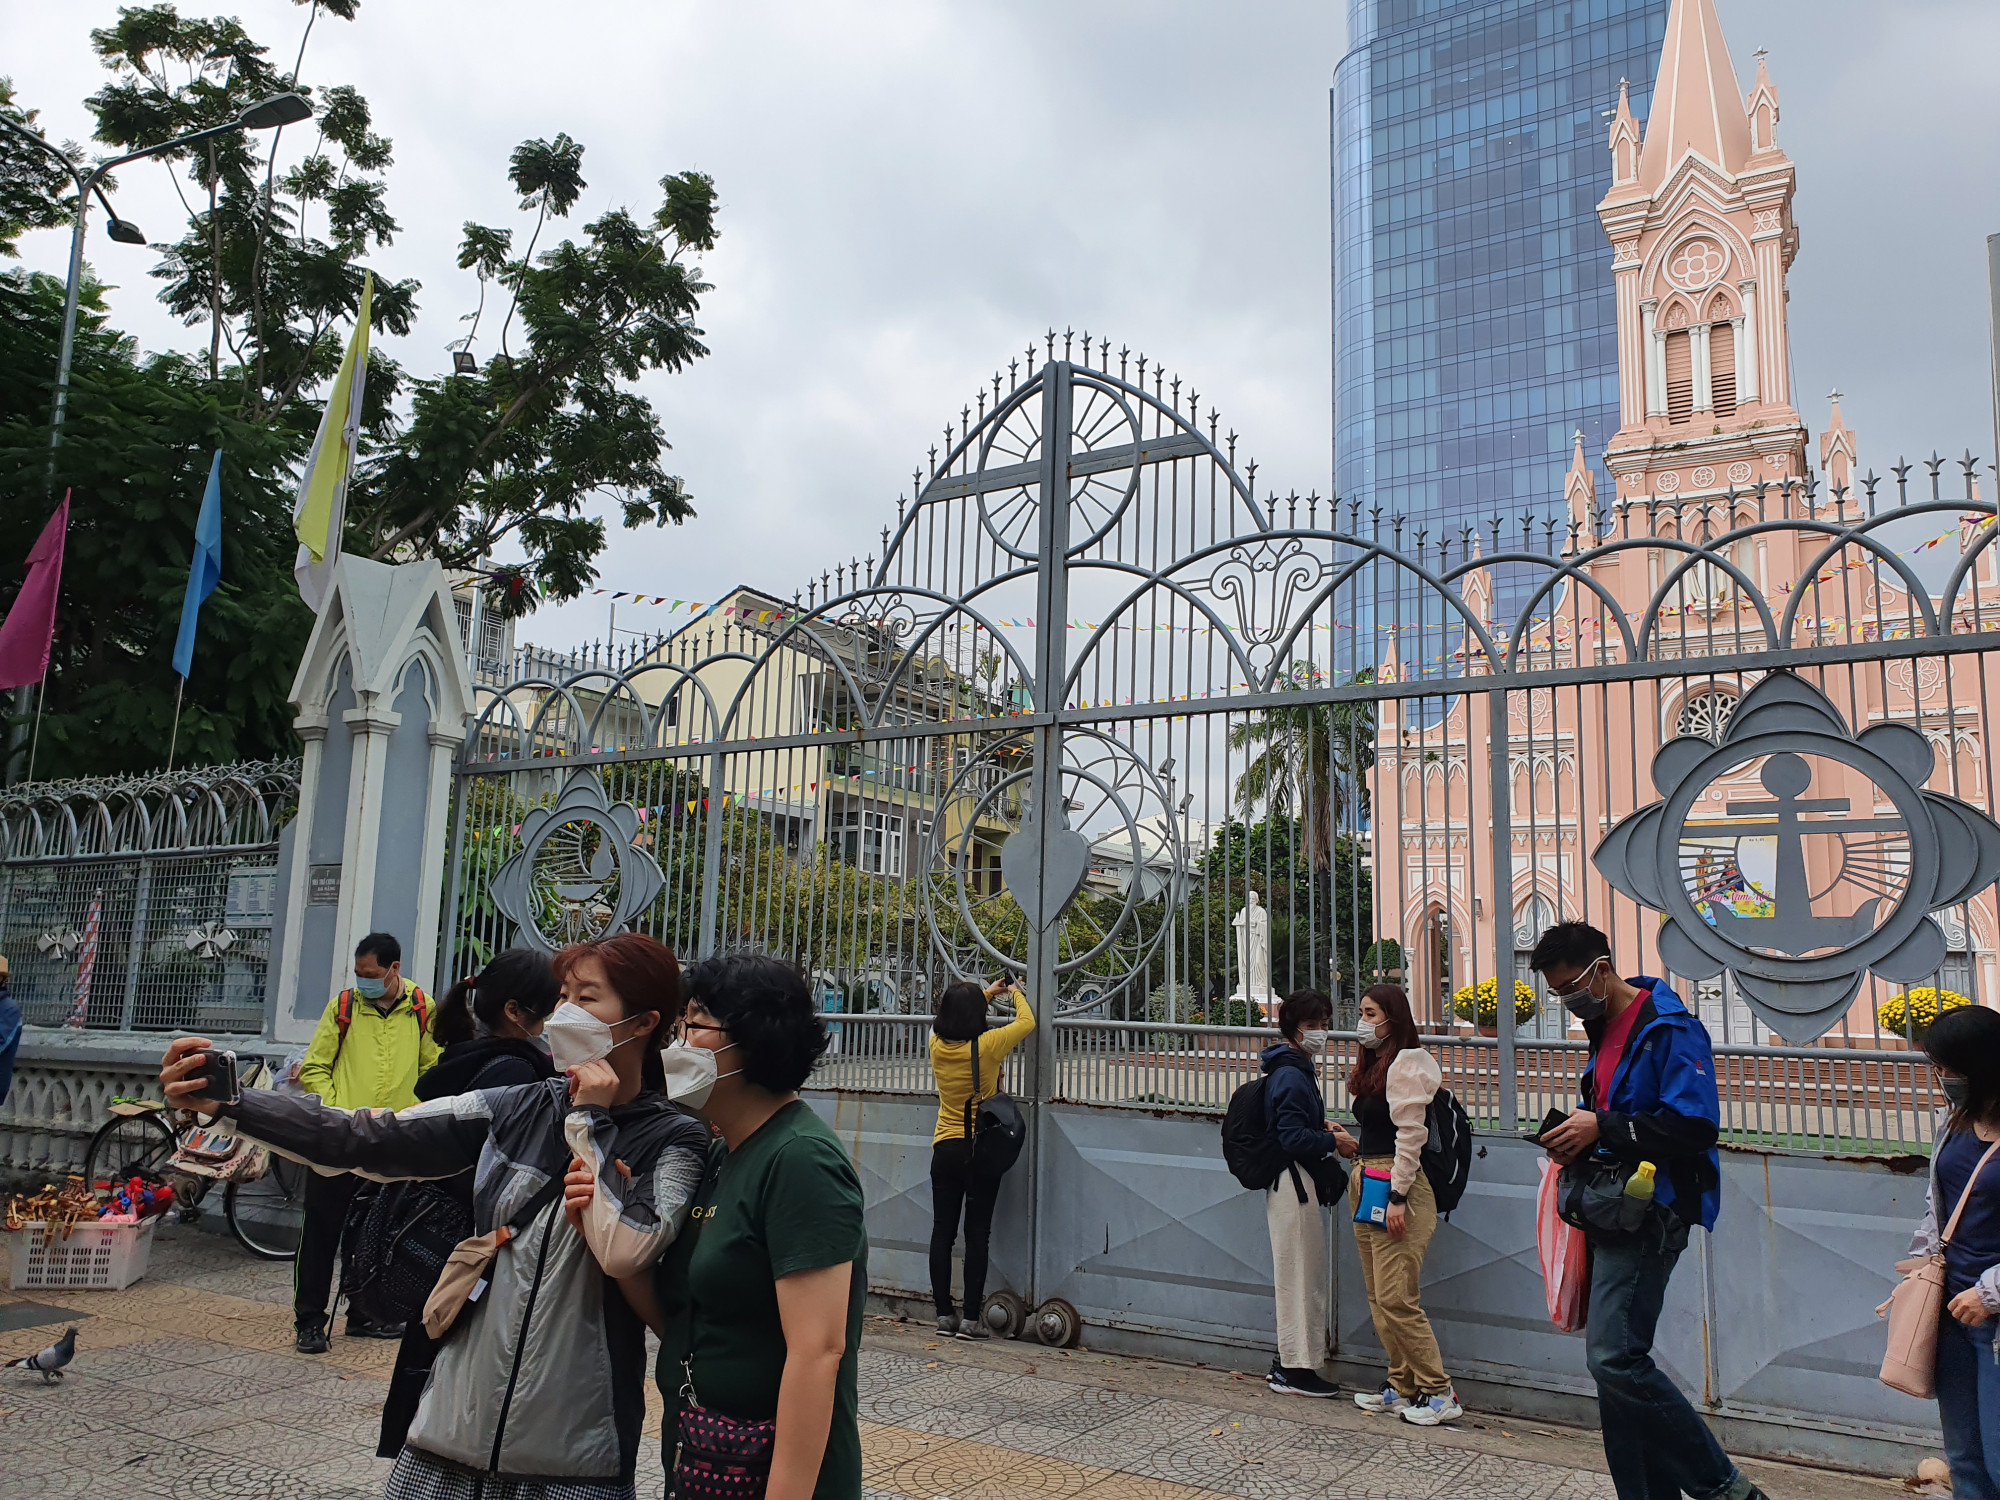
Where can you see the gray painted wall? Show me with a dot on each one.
(406, 789)
(1770, 1321)
(329, 828)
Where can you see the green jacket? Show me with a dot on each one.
(378, 1064)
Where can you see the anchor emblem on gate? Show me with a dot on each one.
(1800, 897)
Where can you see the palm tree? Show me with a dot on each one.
(1314, 761)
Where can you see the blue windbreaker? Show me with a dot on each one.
(1661, 1106)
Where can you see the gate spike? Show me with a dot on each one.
(1104, 355)
(1049, 341)
(1068, 334)
(1124, 355)
(1868, 486)
(933, 460)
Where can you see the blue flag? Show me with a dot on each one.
(204, 568)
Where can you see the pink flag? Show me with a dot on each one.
(86, 963)
(31, 624)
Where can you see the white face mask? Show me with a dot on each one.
(1314, 1041)
(691, 1074)
(575, 1037)
(1369, 1034)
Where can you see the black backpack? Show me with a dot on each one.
(395, 1241)
(1249, 1149)
(1447, 1153)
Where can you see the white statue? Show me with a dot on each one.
(1253, 954)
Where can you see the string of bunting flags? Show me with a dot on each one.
(702, 609)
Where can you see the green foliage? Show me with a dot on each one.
(1314, 762)
(33, 185)
(135, 459)
(521, 447)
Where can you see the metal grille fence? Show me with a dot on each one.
(1803, 1099)
(144, 903)
(1103, 715)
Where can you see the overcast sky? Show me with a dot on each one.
(910, 191)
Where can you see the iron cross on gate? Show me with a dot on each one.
(1792, 928)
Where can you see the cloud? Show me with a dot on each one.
(910, 191)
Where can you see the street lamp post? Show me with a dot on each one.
(281, 109)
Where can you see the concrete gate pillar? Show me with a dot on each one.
(383, 697)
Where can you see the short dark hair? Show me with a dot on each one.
(1967, 1040)
(1576, 944)
(766, 1006)
(961, 1013)
(381, 947)
(1301, 1006)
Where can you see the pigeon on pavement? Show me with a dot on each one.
(51, 1360)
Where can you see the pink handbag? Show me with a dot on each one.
(1565, 1257)
(1914, 1307)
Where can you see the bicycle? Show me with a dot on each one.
(142, 1139)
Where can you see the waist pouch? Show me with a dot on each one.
(718, 1457)
(1590, 1195)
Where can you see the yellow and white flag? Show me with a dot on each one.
(320, 514)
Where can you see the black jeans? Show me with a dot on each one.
(1655, 1443)
(955, 1186)
(319, 1242)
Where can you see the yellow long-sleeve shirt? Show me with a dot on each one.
(951, 1064)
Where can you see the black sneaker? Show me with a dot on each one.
(362, 1328)
(974, 1329)
(311, 1338)
(1300, 1383)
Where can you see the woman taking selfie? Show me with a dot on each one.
(958, 1028)
(489, 1027)
(1964, 1046)
(1391, 1085)
(539, 1386)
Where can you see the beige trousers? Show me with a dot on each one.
(1299, 1273)
(1390, 1271)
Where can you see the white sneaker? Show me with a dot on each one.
(1388, 1399)
(1434, 1409)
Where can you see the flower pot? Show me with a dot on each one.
(1484, 1030)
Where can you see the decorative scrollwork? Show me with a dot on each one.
(1264, 581)
(580, 873)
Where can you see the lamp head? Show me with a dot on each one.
(125, 232)
(279, 109)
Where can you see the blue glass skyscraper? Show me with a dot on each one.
(1474, 323)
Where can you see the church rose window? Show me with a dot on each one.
(1706, 714)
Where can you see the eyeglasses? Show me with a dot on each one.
(1581, 984)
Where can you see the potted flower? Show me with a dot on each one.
(1480, 1004)
(1912, 1013)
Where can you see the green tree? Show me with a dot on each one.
(272, 264)
(32, 184)
(1313, 761)
(134, 460)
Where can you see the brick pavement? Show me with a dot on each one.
(186, 1386)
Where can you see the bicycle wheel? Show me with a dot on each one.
(128, 1146)
(266, 1215)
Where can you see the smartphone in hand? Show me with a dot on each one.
(218, 1076)
(1550, 1120)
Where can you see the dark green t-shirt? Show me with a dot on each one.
(787, 1200)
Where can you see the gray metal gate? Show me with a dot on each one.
(1096, 688)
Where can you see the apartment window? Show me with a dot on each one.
(872, 841)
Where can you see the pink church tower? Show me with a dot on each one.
(1700, 222)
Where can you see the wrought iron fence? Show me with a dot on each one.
(1802, 1098)
(144, 903)
(1102, 714)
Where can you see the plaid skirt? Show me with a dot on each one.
(420, 1476)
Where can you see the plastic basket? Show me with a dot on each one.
(95, 1257)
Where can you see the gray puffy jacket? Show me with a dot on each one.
(542, 1378)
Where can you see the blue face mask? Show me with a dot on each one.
(370, 989)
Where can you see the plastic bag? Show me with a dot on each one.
(1565, 1258)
